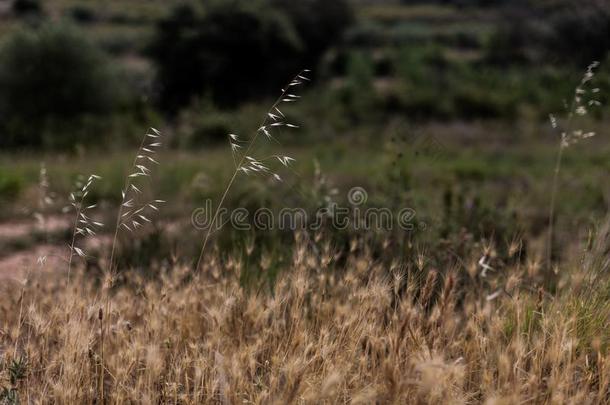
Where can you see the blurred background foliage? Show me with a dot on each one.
(440, 106)
(54, 81)
(78, 73)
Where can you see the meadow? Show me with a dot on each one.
(122, 280)
(464, 309)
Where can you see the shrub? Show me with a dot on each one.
(50, 77)
(27, 7)
(237, 50)
(220, 48)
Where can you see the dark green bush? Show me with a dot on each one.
(240, 49)
(51, 81)
(27, 7)
(230, 50)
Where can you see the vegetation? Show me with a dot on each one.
(360, 314)
(211, 49)
(444, 179)
(27, 7)
(48, 79)
(554, 30)
(431, 61)
(337, 327)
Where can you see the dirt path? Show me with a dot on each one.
(31, 246)
(22, 253)
(39, 259)
(22, 229)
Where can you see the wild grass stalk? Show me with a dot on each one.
(84, 225)
(44, 201)
(582, 102)
(132, 211)
(244, 162)
(132, 215)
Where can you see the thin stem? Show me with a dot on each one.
(209, 232)
(555, 187)
(20, 317)
(78, 212)
(103, 321)
(226, 192)
(239, 165)
(120, 213)
(553, 199)
(101, 382)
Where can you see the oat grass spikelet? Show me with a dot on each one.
(585, 98)
(241, 150)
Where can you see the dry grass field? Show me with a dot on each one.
(327, 317)
(337, 328)
(424, 218)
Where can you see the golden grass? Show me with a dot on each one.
(335, 329)
(338, 326)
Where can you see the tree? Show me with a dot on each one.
(48, 77)
(234, 50)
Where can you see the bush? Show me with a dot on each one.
(240, 49)
(50, 77)
(27, 7)
(233, 51)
